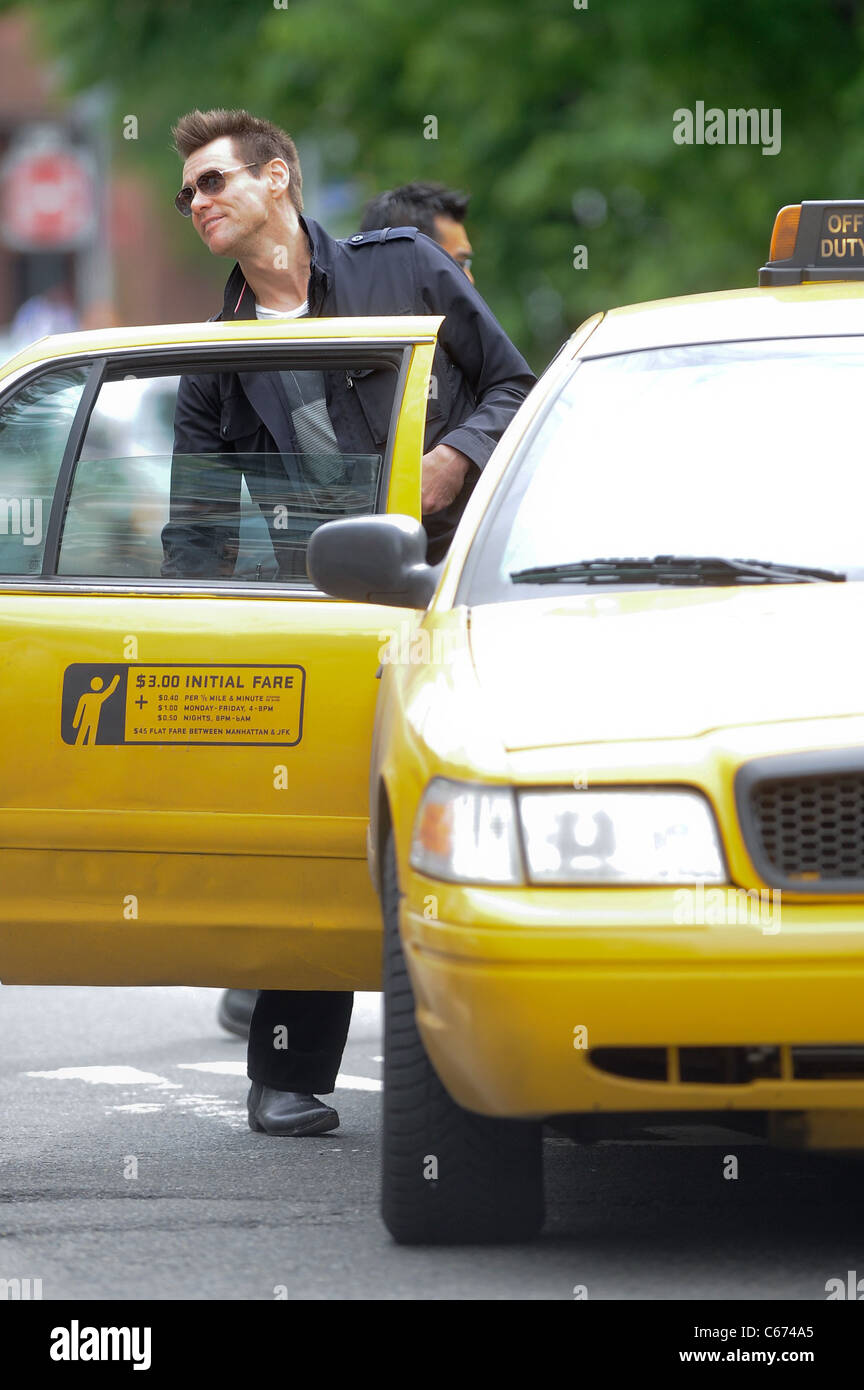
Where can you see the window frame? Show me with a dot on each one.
(193, 359)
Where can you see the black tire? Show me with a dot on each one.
(489, 1183)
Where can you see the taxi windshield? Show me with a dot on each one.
(725, 463)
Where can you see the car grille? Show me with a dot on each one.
(802, 819)
(813, 827)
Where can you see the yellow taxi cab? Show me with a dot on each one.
(617, 780)
(185, 761)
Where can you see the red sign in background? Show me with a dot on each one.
(47, 200)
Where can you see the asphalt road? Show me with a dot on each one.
(127, 1171)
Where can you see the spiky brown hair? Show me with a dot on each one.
(254, 139)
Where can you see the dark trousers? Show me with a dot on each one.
(297, 1037)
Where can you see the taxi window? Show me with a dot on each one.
(143, 504)
(35, 421)
(728, 450)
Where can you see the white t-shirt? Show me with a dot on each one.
(298, 313)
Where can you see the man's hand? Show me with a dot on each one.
(444, 470)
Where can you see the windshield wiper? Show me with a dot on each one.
(674, 569)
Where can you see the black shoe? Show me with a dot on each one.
(288, 1112)
(235, 1010)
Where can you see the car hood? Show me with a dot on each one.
(651, 664)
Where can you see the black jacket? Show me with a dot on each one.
(480, 380)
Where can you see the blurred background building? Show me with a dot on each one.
(81, 244)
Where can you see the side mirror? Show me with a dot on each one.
(373, 559)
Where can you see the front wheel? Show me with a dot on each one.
(449, 1176)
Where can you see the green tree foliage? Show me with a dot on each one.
(557, 119)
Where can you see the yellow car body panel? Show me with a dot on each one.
(232, 865)
(506, 978)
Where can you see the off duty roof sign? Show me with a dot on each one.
(816, 241)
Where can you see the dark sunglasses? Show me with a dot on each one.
(208, 183)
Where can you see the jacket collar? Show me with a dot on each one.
(239, 300)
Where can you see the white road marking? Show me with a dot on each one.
(141, 1109)
(343, 1081)
(217, 1068)
(108, 1076)
(232, 1111)
(357, 1083)
(213, 1108)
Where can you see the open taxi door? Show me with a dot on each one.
(183, 794)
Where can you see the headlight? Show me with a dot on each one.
(467, 834)
(644, 836)
(471, 834)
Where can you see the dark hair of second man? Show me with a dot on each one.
(415, 205)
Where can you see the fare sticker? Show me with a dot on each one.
(206, 704)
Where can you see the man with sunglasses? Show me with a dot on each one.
(242, 190)
(438, 211)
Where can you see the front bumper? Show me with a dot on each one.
(510, 1014)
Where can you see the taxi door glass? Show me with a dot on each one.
(142, 508)
(34, 429)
